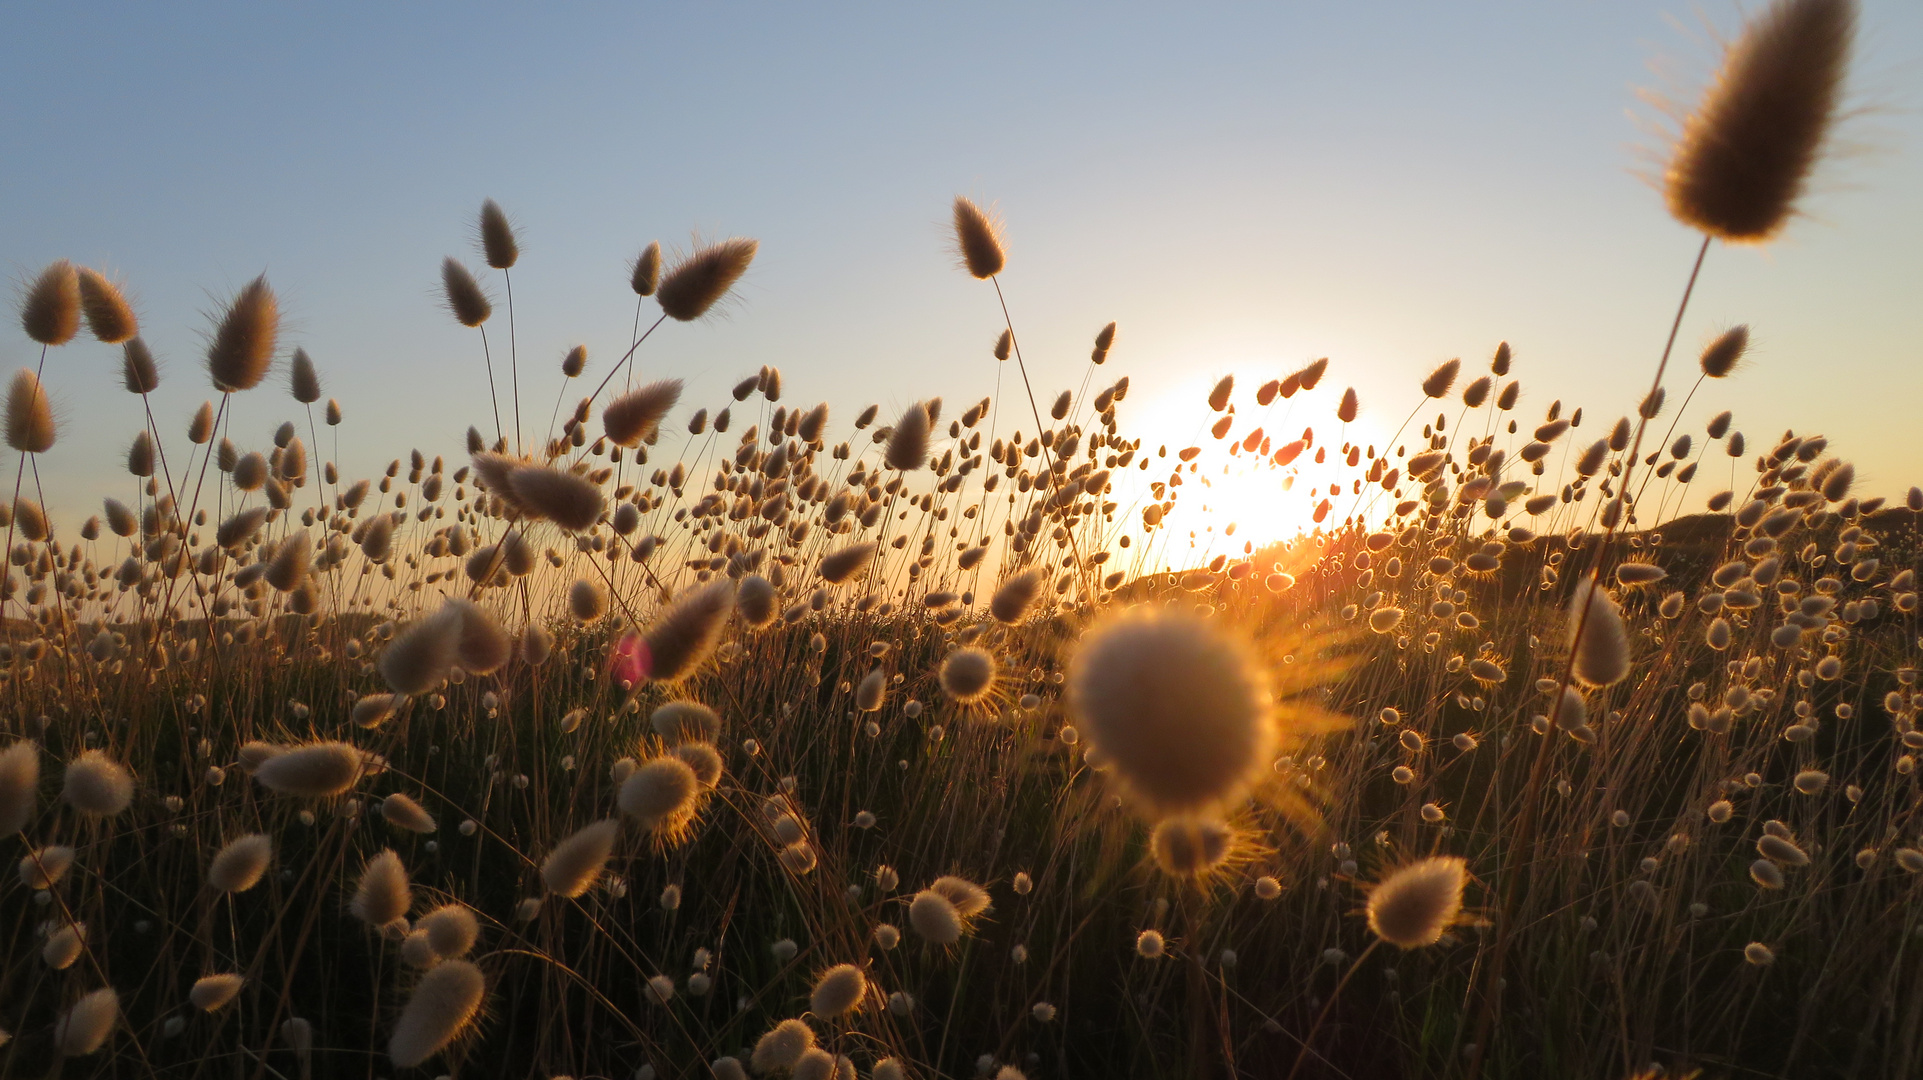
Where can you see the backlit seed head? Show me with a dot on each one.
(838, 991)
(968, 675)
(239, 865)
(977, 239)
(1415, 904)
(383, 894)
(97, 785)
(443, 1004)
(576, 863)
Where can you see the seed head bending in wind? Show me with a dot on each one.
(694, 285)
(1746, 152)
(109, 315)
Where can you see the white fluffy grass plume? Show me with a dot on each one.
(97, 785)
(1178, 706)
(968, 675)
(576, 863)
(443, 1004)
(569, 501)
(238, 866)
(210, 992)
(19, 785)
(84, 1027)
(839, 990)
(681, 641)
(1747, 151)
(383, 894)
(1416, 903)
(316, 770)
(908, 444)
(1598, 642)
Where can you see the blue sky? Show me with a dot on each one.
(1243, 187)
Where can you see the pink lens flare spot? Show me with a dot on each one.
(631, 661)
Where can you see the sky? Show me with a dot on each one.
(1242, 187)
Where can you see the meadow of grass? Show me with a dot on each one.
(709, 739)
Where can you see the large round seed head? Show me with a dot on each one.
(420, 656)
(568, 500)
(782, 1046)
(845, 565)
(1190, 846)
(1597, 639)
(934, 917)
(1012, 600)
(97, 785)
(1177, 706)
(587, 600)
(684, 721)
(635, 417)
(1416, 903)
(969, 898)
(839, 990)
(755, 600)
(451, 930)
(44, 868)
(968, 675)
(660, 794)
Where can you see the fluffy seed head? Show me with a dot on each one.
(44, 868)
(50, 310)
(568, 500)
(442, 1005)
(210, 992)
(842, 566)
(1721, 356)
(315, 771)
(1416, 903)
(1597, 638)
(1442, 378)
(839, 990)
(679, 642)
(419, 657)
(84, 1027)
(968, 675)
(243, 345)
(451, 930)
(30, 428)
(645, 274)
(1011, 601)
(934, 917)
(576, 863)
(635, 417)
(239, 865)
(660, 794)
(484, 646)
(497, 237)
(465, 298)
(782, 1046)
(755, 600)
(685, 721)
(908, 444)
(872, 690)
(587, 600)
(302, 380)
(404, 813)
(1177, 706)
(97, 785)
(383, 894)
(969, 898)
(1746, 152)
(19, 785)
(138, 370)
(977, 239)
(1191, 846)
(109, 315)
(696, 283)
